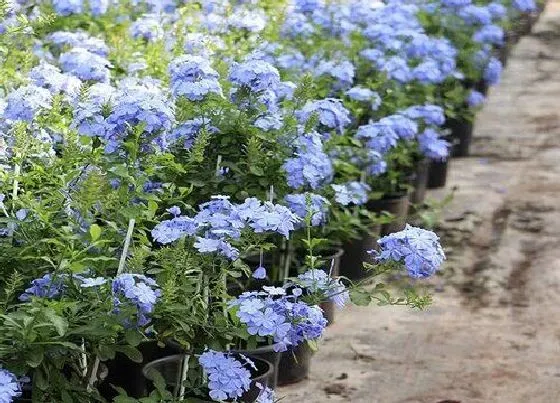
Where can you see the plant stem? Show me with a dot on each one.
(184, 371)
(122, 261)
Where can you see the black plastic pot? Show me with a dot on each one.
(420, 182)
(461, 136)
(397, 205)
(170, 368)
(332, 260)
(294, 365)
(437, 174)
(127, 374)
(268, 354)
(356, 253)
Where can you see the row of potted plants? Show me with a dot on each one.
(190, 189)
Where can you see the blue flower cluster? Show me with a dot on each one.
(193, 77)
(147, 27)
(330, 113)
(110, 114)
(10, 387)
(85, 65)
(318, 207)
(310, 165)
(227, 376)
(355, 193)
(139, 291)
(47, 286)
(78, 40)
(256, 75)
(68, 7)
(283, 318)
(48, 76)
(475, 99)
(219, 222)
(432, 146)
(418, 249)
(24, 103)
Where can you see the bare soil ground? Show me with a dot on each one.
(493, 331)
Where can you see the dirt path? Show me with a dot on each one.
(493, 332)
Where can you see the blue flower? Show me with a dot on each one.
(418, 249)
(44, 287)
(67, 7)
(351, 193)
(147, 27)
(92, 282)
(404, 127)
(85, 65)
(175, 211)
(259, 273)
(431, 114)
(343, 72)
(48, 76)
(266, 396)
(472, 14)
(432, 146)
(319, 207)
(249, 20)
(171, 230)
(361, 94)
(193, 77)
(490, 34)
(79, 40)
(275, 315)
(475, 99)
(269, 122)
(379, 137)
(227, 377)
(25, 102)
(456, 3)
(308, 6)
(10, 387)
(188, 131)
(297, 25)
(139, 103)
(309, 165)
(138, 290)
(493, 71)
(524, 6)
(330, 111)
(256, 75)
(21, 214)
(497, 10)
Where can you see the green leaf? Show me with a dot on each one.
(59, 323)
(34, 358)
(133, 337)
(106, 352)
(360, 297)
(94, 232)
(131, 352)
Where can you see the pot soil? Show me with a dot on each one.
(397, 205)
(294, 365)
(437, 176)
(356, 252)
(170, 368)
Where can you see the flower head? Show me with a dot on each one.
(10, 387)
(418, 249)
(227, 376)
